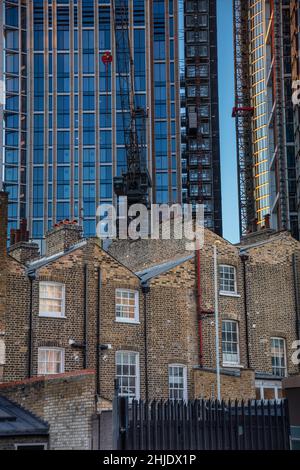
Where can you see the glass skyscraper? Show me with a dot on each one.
(258, 93)
(295, 39)
(263, 49)
(63, 126)
(281, 141)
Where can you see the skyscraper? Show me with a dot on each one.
(63, 125)
(263, 81)
(200, 111)
(295, 34)
(281, 143)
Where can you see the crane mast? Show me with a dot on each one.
(135, 182)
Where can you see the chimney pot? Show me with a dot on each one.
(267, 221)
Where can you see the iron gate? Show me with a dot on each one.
(201, 425)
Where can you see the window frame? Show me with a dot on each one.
(284, 356)
(19, 446)
(137, 373)
(62, 364)
(263, 385)
(229, 363)
(63, 300)
(227, 292)
(134, 320)
(185, 382)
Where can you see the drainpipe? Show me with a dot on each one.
(98, 333)
(199, 307)
(145, 291)
(31, 277)
(85, 321)
(244, 258)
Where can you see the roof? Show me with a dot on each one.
(273, 236)
(15, 421)
(50, 259)
(158, 269)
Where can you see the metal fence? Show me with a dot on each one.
(201, 425)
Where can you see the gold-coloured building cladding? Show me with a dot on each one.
(263, 51)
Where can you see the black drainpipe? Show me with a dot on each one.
(31, 277)
(98, 333)
(145, 291)
(244, 257)
(85, 320)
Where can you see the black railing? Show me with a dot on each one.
(201, 425)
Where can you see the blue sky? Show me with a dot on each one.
(227, 124)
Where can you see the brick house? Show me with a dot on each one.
(144, 311)
(259, 292)
(51, 412)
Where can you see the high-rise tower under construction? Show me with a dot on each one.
(263, 111)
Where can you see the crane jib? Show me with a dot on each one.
(135, 182)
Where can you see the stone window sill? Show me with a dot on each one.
(230, 294)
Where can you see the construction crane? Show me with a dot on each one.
(135, 182)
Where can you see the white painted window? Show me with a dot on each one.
(230, 342)
(268, 390)
(52, 300)
(51, 361)
(227, 279)
(128, 374)
(127, 305)
(278, 355)
(177, 382)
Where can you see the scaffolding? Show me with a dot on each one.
(243, 112)
(277, 46)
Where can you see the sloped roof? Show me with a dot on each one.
(39, 263)
(158, 269)
(15, 421)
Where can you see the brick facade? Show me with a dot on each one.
(271, 292)
(3, 275)
(66, 402)
(12, 443)
(25, 252)
(167, 331)
(64, 235)
(240, 385)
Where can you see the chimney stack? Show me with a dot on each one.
(20, 247)
(63, 235)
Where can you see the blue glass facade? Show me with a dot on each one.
(164, 101)
(13, 115)
(61, 157)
